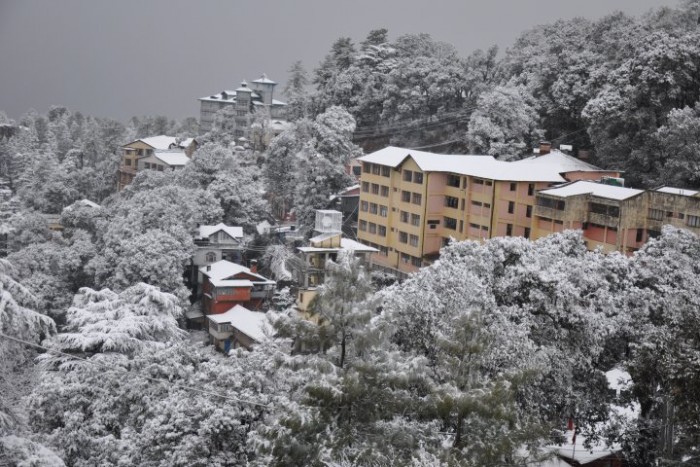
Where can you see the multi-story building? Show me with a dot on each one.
(226, 284)
(413, 202)
(612, 217)
(244, 100)
(238, 327)
(153, 153)
(326, 245)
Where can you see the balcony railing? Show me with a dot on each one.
(551, 213)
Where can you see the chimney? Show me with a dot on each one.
(254, 266)
(545, 147)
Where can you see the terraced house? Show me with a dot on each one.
(413, 202)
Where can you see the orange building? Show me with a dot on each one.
(413, 202)
(136, 152)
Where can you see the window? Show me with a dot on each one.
(405, 196)
(528, 211)
(461, 226)
(640, 235)
(451, 202)
(211, 257)
(476, 203)
(657, 214)
(432, 224)
(415, 220)
(366, 167)
(453, 180)
(160, 167)
(147, 165)
(527, 232)
(445, 241)
(357, 170)
(450, 223)
(373, 208)
(365, 187)
(363, 225)
(372, 228)
(375, 189)
(416, 262)
(127, 161)
(464, 183)
(478, 181)
(461, 206)
(488, 183)
(530, 189)
(559, 205)
(405, 258)
(364, 206)
(606, 210)
(386, 171)
(376, 169)
(385, 191)
(513, 186)
(417, 198)
(403, 237)
(383, 251)
(474, 226)
(413, 240)
(693, 221)
(381, 230)
(404, 217)
(418, 177)
(511, 207)
(509, 230)
(383, 211)
(407, 175)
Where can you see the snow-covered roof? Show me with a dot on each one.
(244, 87)
(185, 143)
(472, 165)
(87, 202)
(596, 189)
(345, 244)
(324, 236)
(206, 230)
(175, 158)
(158, 142)
(264, 80)
(223, 269)
(561, 162)
(253, 324)
(276, 102)
(677, 191)
(577, 452)
(220, 98)
(231, 283)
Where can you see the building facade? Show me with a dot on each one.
(226, 284)
(153, 153)
(615, 218)
(413, 202)
(243, 102)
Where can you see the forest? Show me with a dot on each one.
(477, 360)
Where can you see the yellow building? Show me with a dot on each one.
(413, 202)
(144, 148)
(615, 218)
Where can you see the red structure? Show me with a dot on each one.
(226, 284)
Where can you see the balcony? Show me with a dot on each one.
(127, 169)
(550, 213)
(603, 219)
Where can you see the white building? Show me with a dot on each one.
(245, 99)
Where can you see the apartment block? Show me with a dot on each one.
(413, 202)
(615, 218)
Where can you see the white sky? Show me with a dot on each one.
(118, 58)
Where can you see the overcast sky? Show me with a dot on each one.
(156, 57)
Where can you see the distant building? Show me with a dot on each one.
(244, 100)
(323, 247)
(153, 153)
(237, 327)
